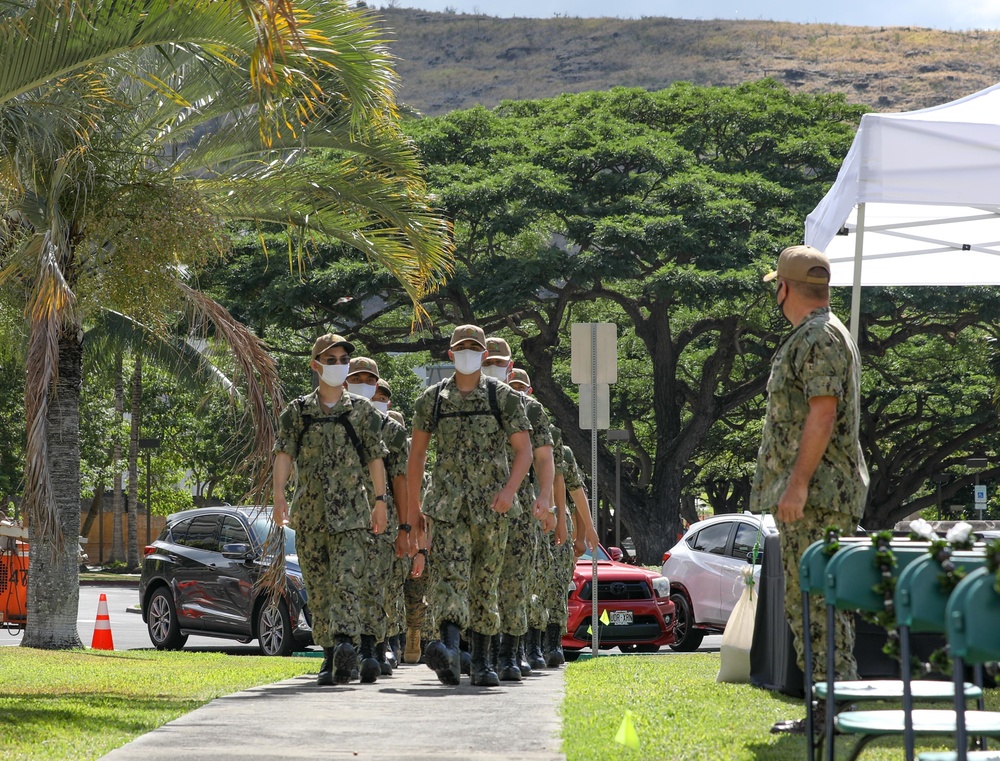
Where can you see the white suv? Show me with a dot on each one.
(704, 572)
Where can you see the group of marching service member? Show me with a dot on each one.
(477, 571)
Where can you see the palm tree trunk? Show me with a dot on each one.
(54, 571)
(118, 503)
(133, 467)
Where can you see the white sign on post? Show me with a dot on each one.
(581, 354)
(603, 406)
(980, 494)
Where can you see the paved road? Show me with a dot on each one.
(129, 631)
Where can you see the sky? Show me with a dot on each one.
(938, 14)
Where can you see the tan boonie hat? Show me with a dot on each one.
(518, 375)
(468, 333)
(497, 348)
(397, 416)
(330, 340)
(383, 386)
(362, 365)
(795, 262)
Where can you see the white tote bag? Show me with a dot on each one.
(738, 637)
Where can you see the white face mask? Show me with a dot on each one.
(367, 390)
(381, 406)
(334, 375)
(493, 371)
(468, 361)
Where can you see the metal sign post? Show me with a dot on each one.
(594, 363)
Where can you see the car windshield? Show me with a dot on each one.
(601, 555)
(262, 524)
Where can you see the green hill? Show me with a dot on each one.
(449, 61)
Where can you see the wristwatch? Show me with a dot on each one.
(423, 551)
(380, 498)
(405, 527)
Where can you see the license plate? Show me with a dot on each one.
(620, 617)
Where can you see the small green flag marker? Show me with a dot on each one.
(627, 735)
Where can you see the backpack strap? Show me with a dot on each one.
(491, 393)
(343, 419)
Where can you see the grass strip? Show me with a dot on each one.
(81, 704)
(682, 714)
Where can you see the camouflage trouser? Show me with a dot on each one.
(795, 538)
(394, 605)
(380, 557)
(517, 574)
(467, 559)
(340, 580)
(563, 563)
(538, 613)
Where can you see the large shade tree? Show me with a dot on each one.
(128, 134)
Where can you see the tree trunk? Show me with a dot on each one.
(95, 509)
(118, 502)
(133, 467)
(54, 571)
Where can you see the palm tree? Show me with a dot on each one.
(128, 134)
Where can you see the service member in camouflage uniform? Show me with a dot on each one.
(535, 500)
(811, 472)
(382, 618)
(473, 485)
(330, 436)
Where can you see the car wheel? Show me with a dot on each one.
(686, 637)
(647, 648)
(274, 629)
(570, 655)
(161, 622)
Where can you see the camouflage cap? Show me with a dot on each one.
(397, 416)
(362, 365)
(468, 333)
(497, 348)
(795, 262)
(328, 341)
(384, 386)
(517, 375)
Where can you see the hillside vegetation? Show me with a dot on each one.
(450, 61)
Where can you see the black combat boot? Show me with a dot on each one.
(381, 655)
(481, 674)
(392, 653)
(465, 656)
(507, 659)
(345, 659)
(533, 649)
(325, 676)
(423, 651)
(443, 654)
(494, 661)
(369, 669)
(521, 660)
(554, 657)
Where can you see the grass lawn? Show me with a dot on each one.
(80, 704)
(681, 713)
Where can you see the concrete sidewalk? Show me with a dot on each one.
(409, 715)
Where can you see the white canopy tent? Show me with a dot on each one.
(917, 200)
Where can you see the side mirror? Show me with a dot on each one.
(760, 557)
(616, 554)
(237, 551)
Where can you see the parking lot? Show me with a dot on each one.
(129, 631)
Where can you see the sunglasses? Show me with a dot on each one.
(345, 360)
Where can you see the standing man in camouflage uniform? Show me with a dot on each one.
(334, 440)
(811, 472)
(535, 500)
(474, 484)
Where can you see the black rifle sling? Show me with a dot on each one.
(343, 419)
(491, 393)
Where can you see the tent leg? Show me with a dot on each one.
(856, 289)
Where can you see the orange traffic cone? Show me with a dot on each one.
(102, 628)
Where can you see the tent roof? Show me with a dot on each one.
(930, 182)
